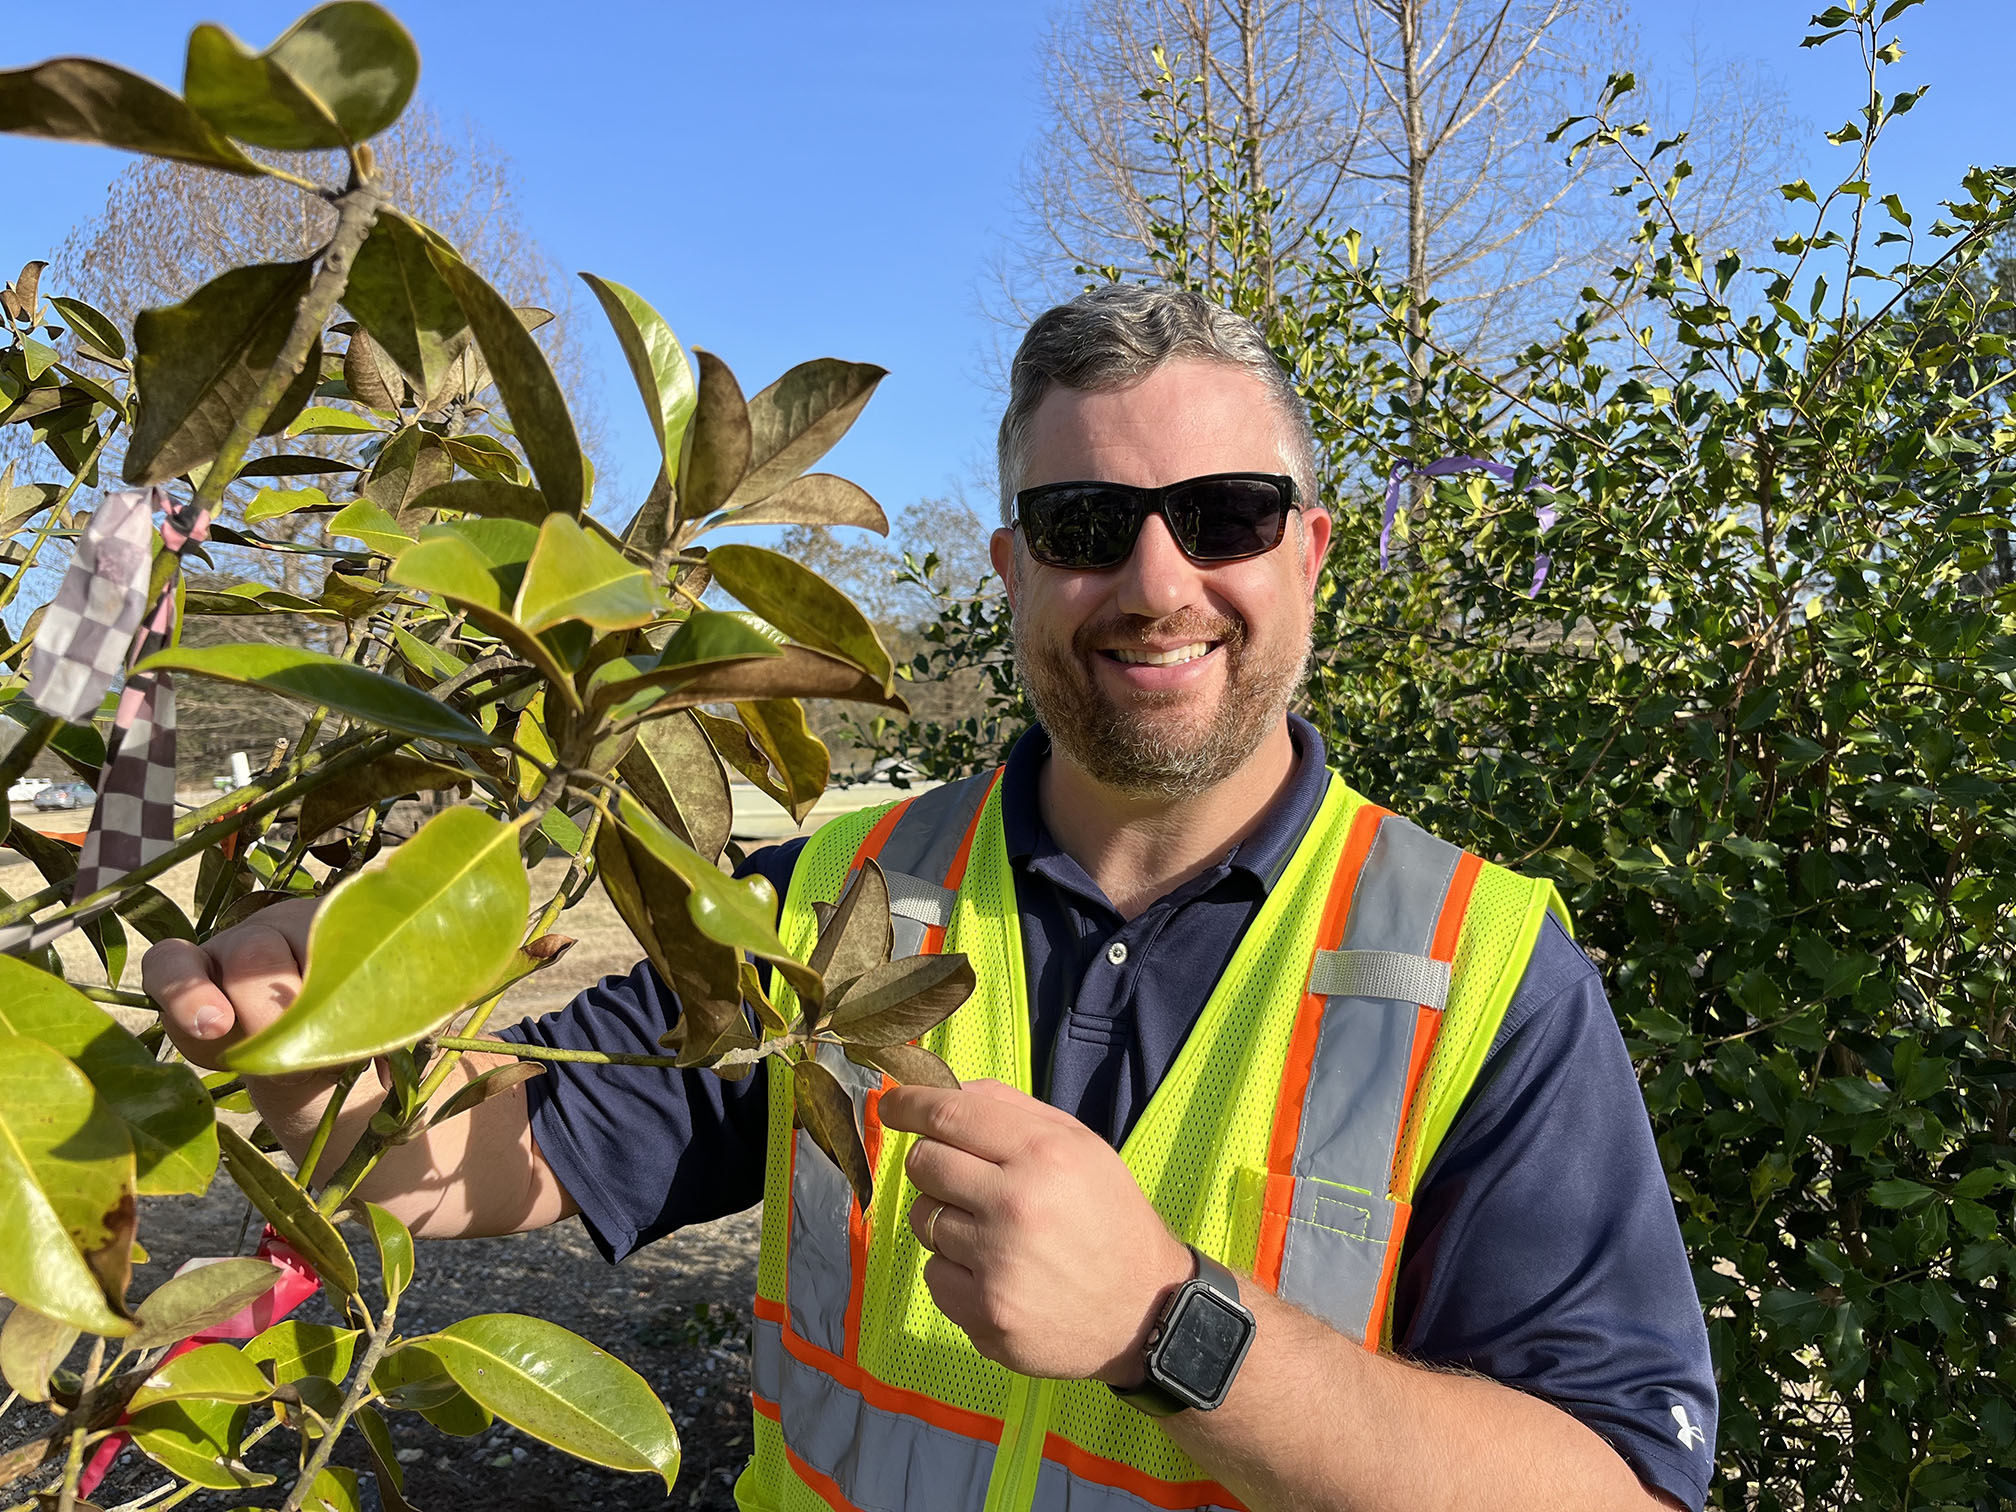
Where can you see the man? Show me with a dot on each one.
(1256, 1023)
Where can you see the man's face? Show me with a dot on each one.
(1161, 676)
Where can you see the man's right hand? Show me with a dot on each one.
(221, 992)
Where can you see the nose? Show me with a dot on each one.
(1157, 579)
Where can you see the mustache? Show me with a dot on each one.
(1131, 631)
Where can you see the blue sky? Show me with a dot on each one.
(787, 179)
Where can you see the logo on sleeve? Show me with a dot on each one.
(1687, 1430)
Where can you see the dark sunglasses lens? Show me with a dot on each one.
(1223, 519)
(1081, 527)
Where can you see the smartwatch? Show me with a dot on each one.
(1197, 1345)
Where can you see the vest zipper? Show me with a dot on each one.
(1012, 1486)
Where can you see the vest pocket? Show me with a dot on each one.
(1340, 1245)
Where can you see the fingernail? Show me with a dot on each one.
(210, 1022)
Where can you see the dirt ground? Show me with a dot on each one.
(676, 1313)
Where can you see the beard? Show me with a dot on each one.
(1144, 747)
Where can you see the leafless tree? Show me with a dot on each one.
(1422, 123)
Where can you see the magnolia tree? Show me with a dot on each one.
(491, 638)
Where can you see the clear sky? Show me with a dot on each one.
(791, 178)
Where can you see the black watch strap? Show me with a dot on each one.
(1152, 1396)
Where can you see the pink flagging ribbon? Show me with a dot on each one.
(1546, 514)
(298, 1282)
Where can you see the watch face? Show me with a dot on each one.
(1203, 1346)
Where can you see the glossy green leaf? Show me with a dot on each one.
(716, 451)
(429, 660)
(576, 575)
(650, 898)
(412, 1377)
(84, 100)
(738, 912)
(815, 499)
(328, 420)
(674, 772)
(317, 678)
(339, 75)
(525, 380)
(366, 522)
(827, 1114)
(777, 726)
(194, 1300)
(334, 1489)
(31, 1347)
(803, 605)
(485, 496)
(562, 1390)
(295, 1351)
(399, 296)
(201, 1441)
(474, 562)
(486, 456)
(199, 363)
(395, 950)
(289, 1210)
(795, 421)
(217, 1372)
(704, 643)
(384, 1459)
(899, 1001)
(272, 503)
(66, 1169)
(92, 326)
(657, 363)
(165, 1107)
(395, 1250)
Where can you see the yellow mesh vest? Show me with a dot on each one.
(1194, 1150)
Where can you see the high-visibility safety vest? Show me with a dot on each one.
(1286, 1140)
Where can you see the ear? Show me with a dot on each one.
(1316, 531)
(1001, 552)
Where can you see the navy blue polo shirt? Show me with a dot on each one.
(1543, 1251)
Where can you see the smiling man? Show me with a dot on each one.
(1299, 1162)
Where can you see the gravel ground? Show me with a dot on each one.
(676, 1313)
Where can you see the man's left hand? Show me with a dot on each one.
(1048, 1254)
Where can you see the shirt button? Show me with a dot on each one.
(1116, 952)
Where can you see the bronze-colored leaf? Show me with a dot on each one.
(815, 499)
(651, 899)
(373, 377)
(799, 673)
(825, 1113)
(899, 1000)
(351, 793)
(860, 937)
(716, 453)
(795, 420)
(910, 1065)
(674, 772)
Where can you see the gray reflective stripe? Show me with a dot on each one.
(918, 898)
(1058, 1490)
(1334, 1252)
(879, 1459)
(819, 1267)
(927, 837)
(1381, 973)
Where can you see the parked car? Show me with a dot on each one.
(26, 788)
(66, 795)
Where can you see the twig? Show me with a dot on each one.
(543, 1053)
(360, 1387)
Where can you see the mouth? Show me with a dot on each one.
(1173, 656)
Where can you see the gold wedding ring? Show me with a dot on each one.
(931, 1229)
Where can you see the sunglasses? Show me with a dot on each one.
(1222, 517)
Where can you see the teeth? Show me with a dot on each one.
(1164, 658)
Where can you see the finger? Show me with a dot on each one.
(1013, 1097)
(982, 1125)
(177, 974)
(259, 972)
(951, 1232)
(950, 1174)
(955, 1289)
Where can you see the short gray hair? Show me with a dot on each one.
(1116, 335)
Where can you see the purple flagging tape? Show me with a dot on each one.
(134, 820)
(1546, 514)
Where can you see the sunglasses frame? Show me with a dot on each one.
(1153, 501)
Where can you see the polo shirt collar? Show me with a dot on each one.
(1262, 855)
